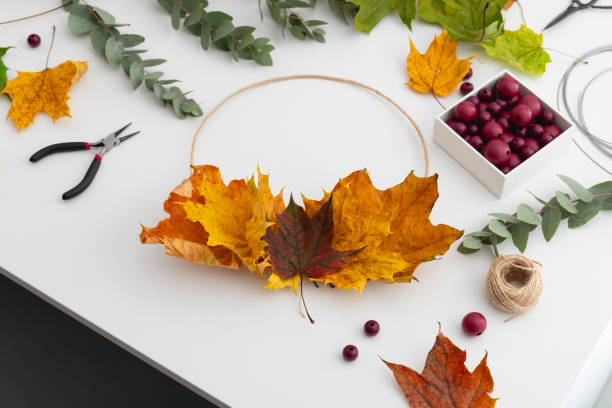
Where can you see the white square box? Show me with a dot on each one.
(474, 162)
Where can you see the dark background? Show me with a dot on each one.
(48, 359)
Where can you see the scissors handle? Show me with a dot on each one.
(59, 148)
(87, 179)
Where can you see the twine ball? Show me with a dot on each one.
(519, 297)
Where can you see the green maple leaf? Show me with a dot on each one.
(3, 68)
(521, 49)
(372, 11)
(464, 18)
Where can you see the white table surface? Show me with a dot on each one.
(217, 330)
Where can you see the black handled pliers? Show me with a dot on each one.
(105, 144)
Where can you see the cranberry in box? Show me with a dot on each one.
(502, 133)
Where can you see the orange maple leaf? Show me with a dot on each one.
(509, 4)
(44, 91)
(445, 381)
(438, 69)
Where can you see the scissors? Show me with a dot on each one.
(105, 144)
(574, 6)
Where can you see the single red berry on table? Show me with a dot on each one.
(533, 103)
(495, 108)
(554, 129)
(520, 132)
(521, 115)
(507, 137)
(527, 152)
(486, 95)
(33, 40)
(533, 143)
(474, 324)
(472, 129)
(547, 117)
(546, 138)
(459, 128)
(371, 328)
(491, 130)
(465, 111)
(497, 152)
(504, 122)
(476, 142)
(468, 75)
(484, 117)
(535, 130)
(466, 88)
(514, 160)
(350, 353)
(474, 99)
(517, 144)
(507, 87)
(505, 169)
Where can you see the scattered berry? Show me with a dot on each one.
(466, 88)
(33, 40)
(468, 75)
(491, 130)
(474, 324)
(521, 115)
(371, 328)
(507, 87)
(486, 95)
(497, 152)
(465, 111)
(350, 353)
(547, 117)
(533, 103)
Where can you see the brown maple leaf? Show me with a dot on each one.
(44, 91)
(445, 381)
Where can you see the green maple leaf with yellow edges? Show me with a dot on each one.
(372, 11)
(3, 68)
(521, 49)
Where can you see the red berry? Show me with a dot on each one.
(505, 114)
(507, 137)
(514, 160)
(476, 142)
(474, 324)
(465, 111)
(512, 102)
(459, 128)
(466, 88)
(535, 130)
(504, 122)
(546, 138)
(491, 130)
(371, 327)
(533, 103)
(517, 144)
(350, 353)
(486, 95)
(533, 143)
(527, 152)
(507, 87)
(482, 106)
(554, 129)
(547, 117)
(484, 117)
(501, 102)
(34, 40)
(472, 129)
(474, 99)
(521, 115)
(497, 152)
(505, 169)
(468, 75)
(451, 122)
(495, 108)
(520, 132)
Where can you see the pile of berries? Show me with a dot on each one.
(502, 125)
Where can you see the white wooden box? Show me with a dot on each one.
(474, 162)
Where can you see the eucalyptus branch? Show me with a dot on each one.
(344, 9)
(281, 13)
(578, 211)
(117, 49)
(217, 27)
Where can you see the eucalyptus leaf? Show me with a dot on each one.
(189, 106)
(176, 14)
(480, 234)
(225, 28)
(79, 22)
(195, 15)
(564, 201)
(526, 214)
(603, 188)
(240, 32)
(464, 250)
(472, 243)
(171, 93)
(581, 192)
(505, 217)
(537, 198)
(131, 40)
(153, 62)
(262, 58)
(113, 51)
(136, 75)
(205, 35)
(550, 222)
(176, 104)
(153, 75)
(106, 17)
(586, 211)
(520, 235)
(498, 227)
(98, 37)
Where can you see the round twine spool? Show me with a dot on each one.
(505, 296)
(311, 76)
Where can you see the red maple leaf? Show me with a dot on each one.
(445, 381)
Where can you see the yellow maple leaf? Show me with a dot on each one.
(44, 91)
(236, 216)
(438, 69)
(392, 226)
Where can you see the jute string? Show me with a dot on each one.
(506, 296)
(312, 76)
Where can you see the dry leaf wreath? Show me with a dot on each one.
(356, 233)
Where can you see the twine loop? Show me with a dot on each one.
(514, 283)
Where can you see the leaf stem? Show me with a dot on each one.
(302, 297)
(484, 22)
(522, 12)
(495, 250)
(566, 54)
(38, 14)
(50, 47)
